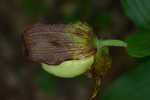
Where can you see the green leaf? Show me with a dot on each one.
(134, 85)
(139, 44)
(46, 82)
(138, 11)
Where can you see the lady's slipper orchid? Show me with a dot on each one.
(68, 50)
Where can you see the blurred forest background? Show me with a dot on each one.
(21, 79)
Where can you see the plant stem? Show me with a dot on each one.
(96, 89)
(112, 43)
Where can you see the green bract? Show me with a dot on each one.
(69, 69)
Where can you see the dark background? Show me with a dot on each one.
(21, 79)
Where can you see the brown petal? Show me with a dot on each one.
(53, 44)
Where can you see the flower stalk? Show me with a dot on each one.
(102, 62)
(96, 89)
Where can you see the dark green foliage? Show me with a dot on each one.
(139, 44)
(138, 11)
(134, 85)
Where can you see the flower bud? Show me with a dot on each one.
(63, 50)
(68, 50)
